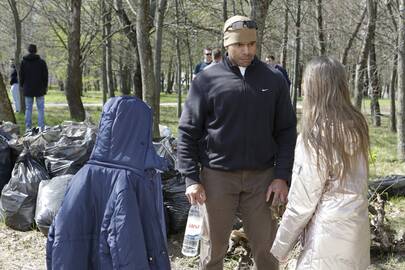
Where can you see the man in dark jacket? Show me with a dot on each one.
(34, 81)
(239, 125)
(207, 61)
(271, 61)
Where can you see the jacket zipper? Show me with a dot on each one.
(244, 91)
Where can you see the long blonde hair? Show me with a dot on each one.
(331, 125)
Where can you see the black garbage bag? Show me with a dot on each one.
(37, 141)
(392, 185)
(50, 197)
(166, 148)
(71, 151)
(6, 165)
(18, 197)
(176, 204)
(9, 130)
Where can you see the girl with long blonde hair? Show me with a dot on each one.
(327, 201)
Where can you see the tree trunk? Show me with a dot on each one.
(284, 45)
(143, 27)
(374, 86)
(393, 80)
(130, 33)
(178, 56)
(352, 37)
(190, 62)
(104, 52)
(6, 111)
(17, 51)
(258, 13)
(170, 79)
(74, 75)
(224, 10)
(109, 56)
(159, 18)
(362, 62)
(321, 30)
(297, 55)
(393, 120)
(401, 82)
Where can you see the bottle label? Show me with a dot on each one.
(193, 226)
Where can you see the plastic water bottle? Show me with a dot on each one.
(193, 231)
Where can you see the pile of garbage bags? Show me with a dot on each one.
(35, 170)
(37, 167)
(175, 201)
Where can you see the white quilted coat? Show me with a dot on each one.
(334, 218)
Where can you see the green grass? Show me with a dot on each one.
(384, 150)
(96, 97)
(171, 98)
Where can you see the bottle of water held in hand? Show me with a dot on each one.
(193, 231)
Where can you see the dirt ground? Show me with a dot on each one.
(26, 251)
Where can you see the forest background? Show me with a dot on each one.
(96, 49)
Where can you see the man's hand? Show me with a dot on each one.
(196, 193)
(280, 189)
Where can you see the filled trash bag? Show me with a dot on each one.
(393, 185)
(166, 148)
(71, 151)
(50, 197)
(18, 197)
(176, 204)
(6, 165)
(9, 130)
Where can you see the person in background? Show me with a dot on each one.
(239, 125)
(15, 91)
(327, 202)
(34, 81)
(217, 55)
(270, 60)
(207, 60)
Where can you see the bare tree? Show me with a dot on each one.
(284, 45)
(297, 55)
(178, 56)
(362, 62)
(104, 52)
(258, 13)
(143, 27)
(393, 79)
(321, 30)
(373, 71)
(74, 73)
(352, 37)
(109, 54)
(159, 18)
(401, 82)
(18, 37)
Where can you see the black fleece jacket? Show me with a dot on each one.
(231, 122)
(33, 76)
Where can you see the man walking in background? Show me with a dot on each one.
(217, 55)
(239, 125)
(207, 60)
(34, 81)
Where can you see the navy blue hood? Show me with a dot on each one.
(115, 142)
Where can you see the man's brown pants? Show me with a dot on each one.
(229, 193)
